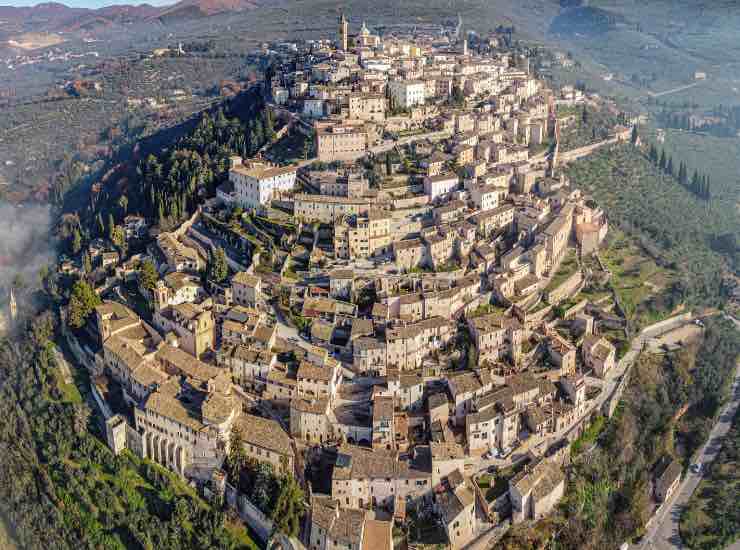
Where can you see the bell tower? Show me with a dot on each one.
(343, 32)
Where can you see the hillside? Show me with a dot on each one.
(675, 227)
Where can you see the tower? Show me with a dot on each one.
(12, 306)
(343, 32)
(161, 296)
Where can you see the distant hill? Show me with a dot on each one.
(56, 17)
(190, 9)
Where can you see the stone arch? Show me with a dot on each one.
(364, 442)
(147, 445)
(155, 448)
(163, 451)
(179, 466)
(172, 454)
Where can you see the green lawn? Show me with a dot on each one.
(485, 309)
(635, 277)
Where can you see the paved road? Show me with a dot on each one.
(663, 533)
(676, 89)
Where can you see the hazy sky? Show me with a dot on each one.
(87, 3)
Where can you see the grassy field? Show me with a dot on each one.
(636, 278)
(671, 225)
(712, 517)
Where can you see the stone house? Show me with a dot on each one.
(598, 354)
(535, 490)
(455, 505)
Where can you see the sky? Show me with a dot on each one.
(86, 3)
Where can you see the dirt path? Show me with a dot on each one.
(6, 541)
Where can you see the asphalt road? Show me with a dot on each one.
(663, 533)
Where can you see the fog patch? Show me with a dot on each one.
(25, 246)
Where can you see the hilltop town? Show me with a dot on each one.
(410, 320)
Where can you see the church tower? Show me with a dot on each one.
(343, 32)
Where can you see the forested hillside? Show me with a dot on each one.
(672, 224)
(167, 183)
(62, 488)
(607, 498)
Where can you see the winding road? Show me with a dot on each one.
(663, 534)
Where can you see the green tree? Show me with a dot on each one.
(269, 124)
(76, 245)
(81, 303)
(111, 226)
(262, 489)
(237, 459)
(86, 263)
(635, 135)
(288, 509)
(148, 275)
(218, 269)
(118, 237)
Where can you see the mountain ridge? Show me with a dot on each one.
(58, 17)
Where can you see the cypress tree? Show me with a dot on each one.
(669, 167)
(695, 182)
(111, 226)
(662, 162)
(101, 225)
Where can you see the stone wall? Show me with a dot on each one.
(565, 289)
(250, 514)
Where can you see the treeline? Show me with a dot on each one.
(276, 494)
(174, 183)
(720, 121)
(698, 184)
(673, 226)
(62, 488)
(711, 519)
(167, 184)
